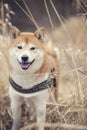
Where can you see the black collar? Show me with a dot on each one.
(50, 82)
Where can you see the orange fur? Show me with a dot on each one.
(40, 60)
(50, 55)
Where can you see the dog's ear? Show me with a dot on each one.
(39, 34)
(14, 32)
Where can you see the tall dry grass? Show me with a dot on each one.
(70, 113)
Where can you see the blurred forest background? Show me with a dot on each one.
(65, 22)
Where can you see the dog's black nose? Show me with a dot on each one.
(24, 58)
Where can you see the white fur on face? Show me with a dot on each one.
(15, 55)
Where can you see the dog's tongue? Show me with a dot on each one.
(25, 65)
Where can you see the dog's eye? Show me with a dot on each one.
(19, 47)
(32, 48)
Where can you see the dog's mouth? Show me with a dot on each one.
(26, 65)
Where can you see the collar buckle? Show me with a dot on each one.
(52, 77)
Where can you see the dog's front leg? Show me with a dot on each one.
(40, 105)
(41, 115)
(16, 103)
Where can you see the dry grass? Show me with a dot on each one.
(70, 113)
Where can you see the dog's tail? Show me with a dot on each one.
(52, 50)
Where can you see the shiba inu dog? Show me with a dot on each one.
(30, 79)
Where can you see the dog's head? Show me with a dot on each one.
(26, 50)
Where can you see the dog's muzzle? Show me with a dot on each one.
(25, 63)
